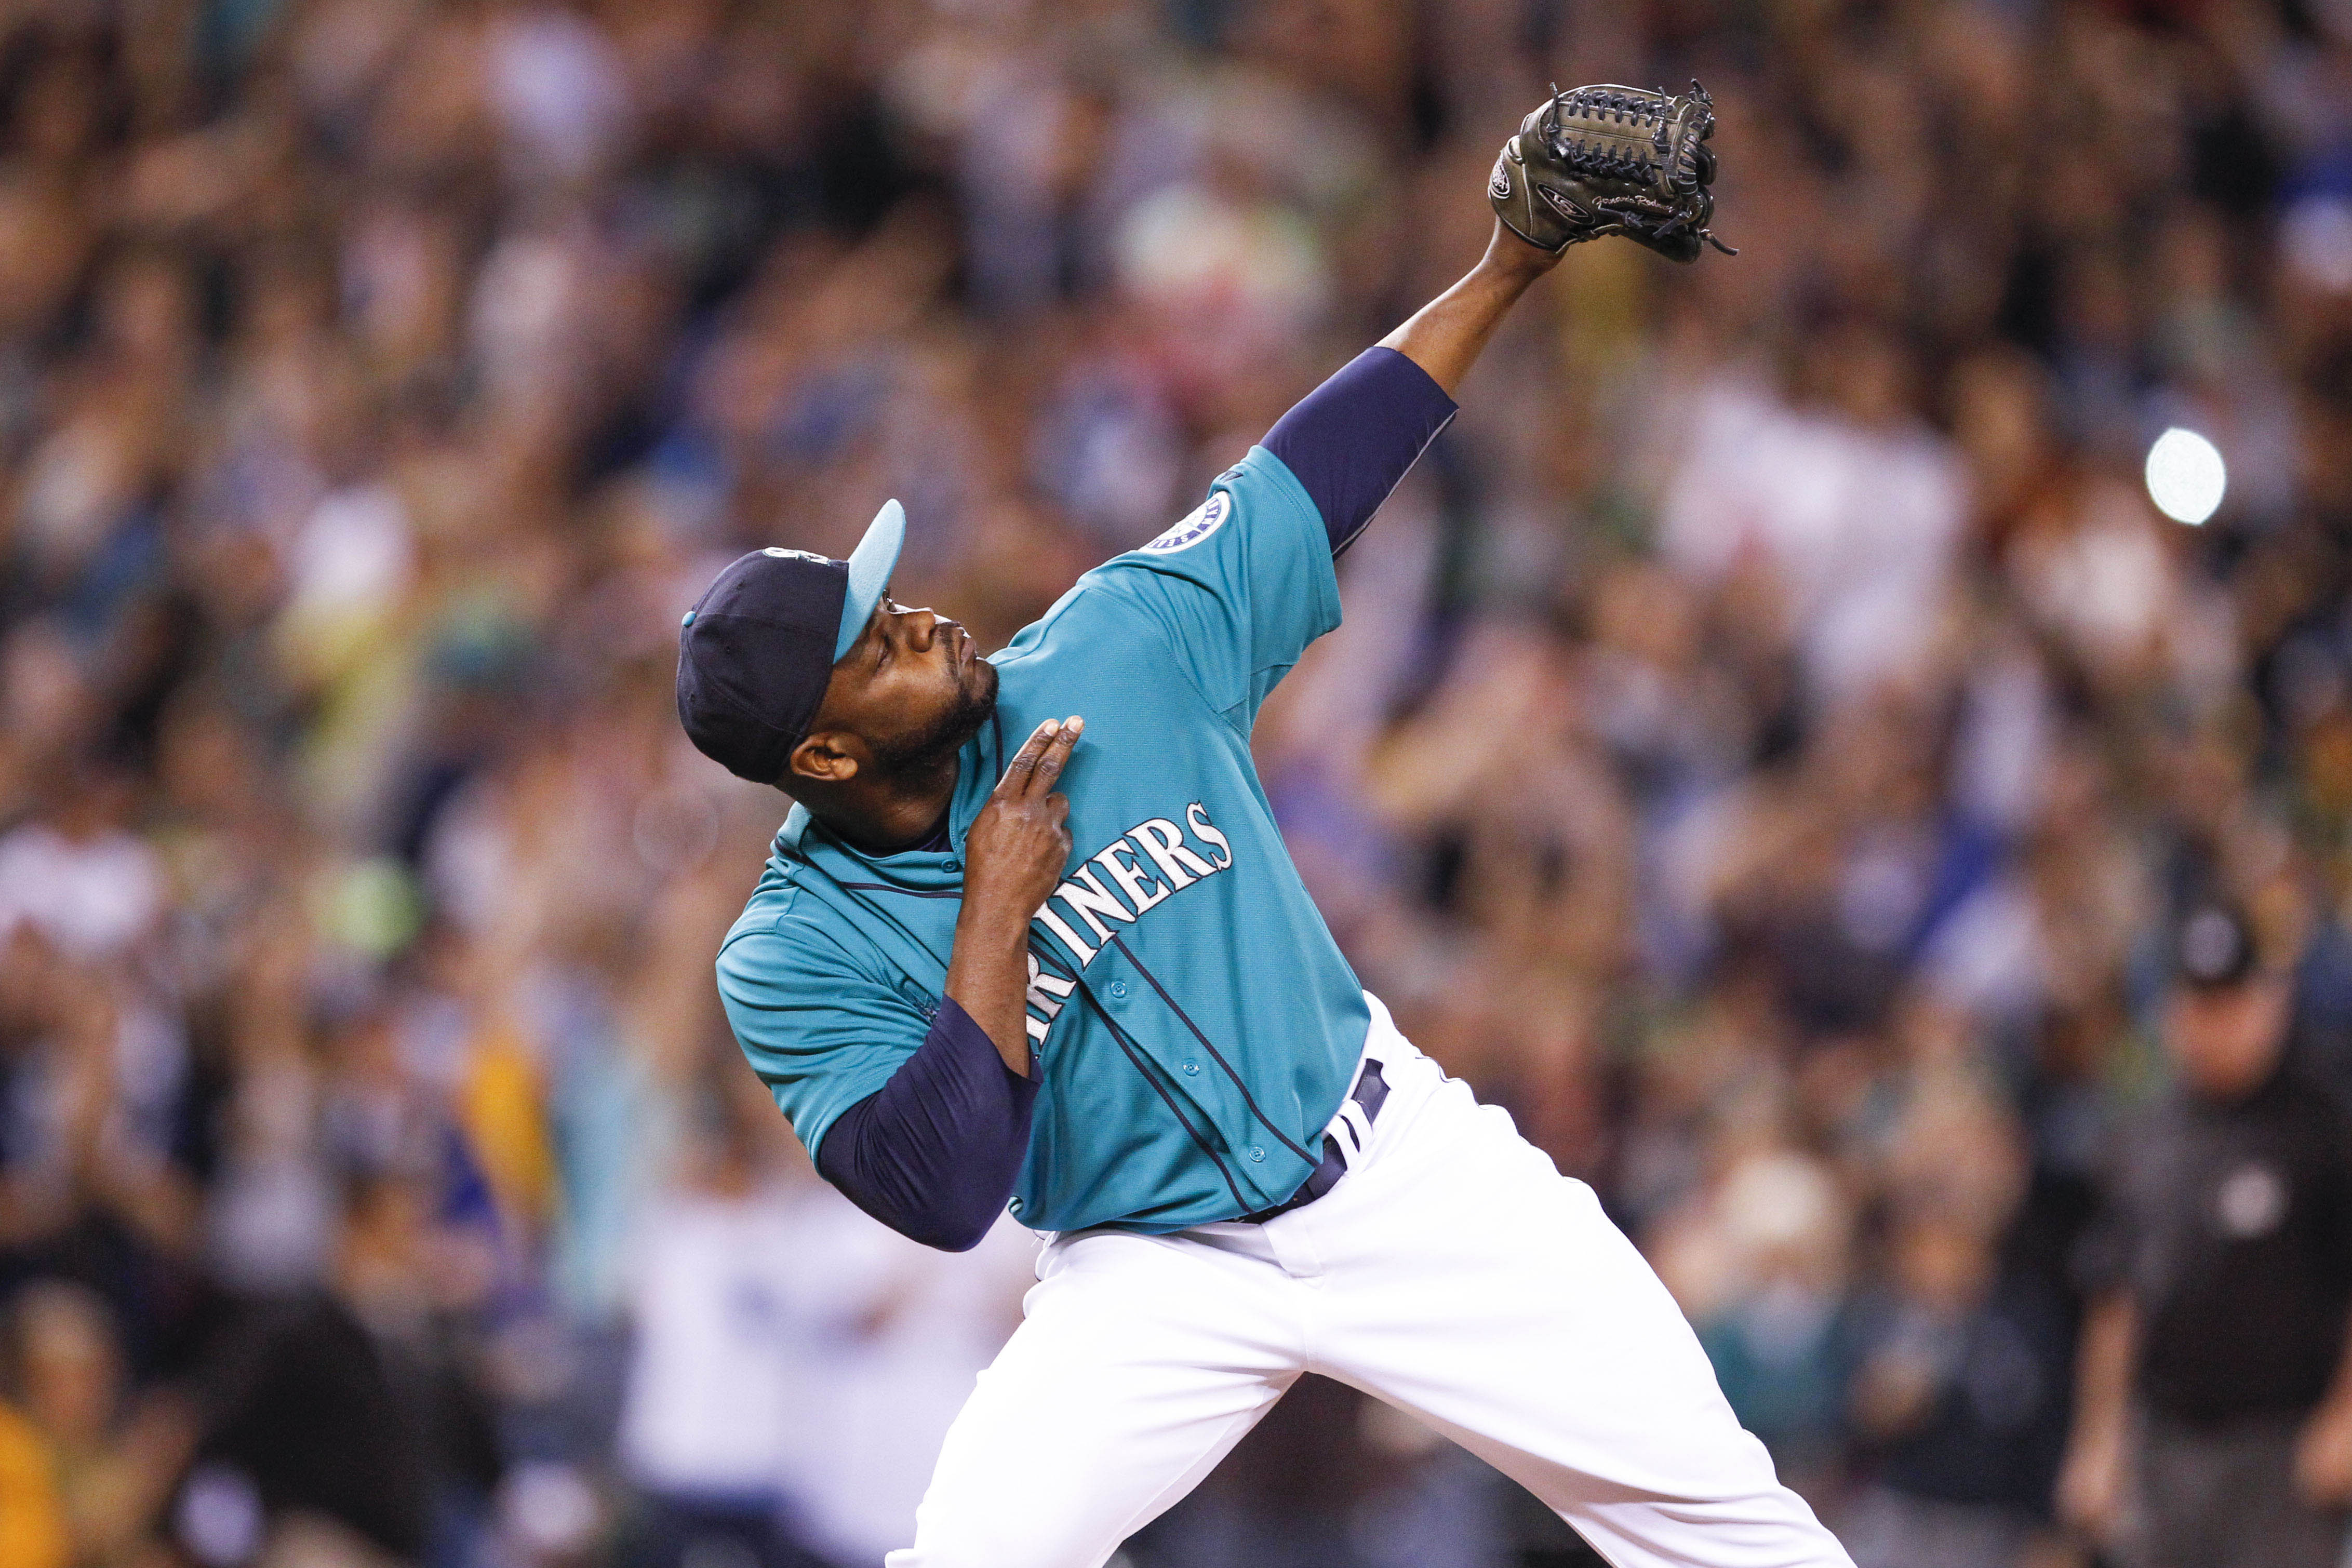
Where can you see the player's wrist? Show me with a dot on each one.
(1511, 257)
(992, 917)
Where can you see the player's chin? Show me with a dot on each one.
(980, 685)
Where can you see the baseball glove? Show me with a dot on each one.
(1606, 160)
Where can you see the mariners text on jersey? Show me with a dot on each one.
(1195, 1025)
(1084, 898)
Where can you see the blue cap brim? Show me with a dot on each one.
(870, 566)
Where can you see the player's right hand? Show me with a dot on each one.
(1020, 842)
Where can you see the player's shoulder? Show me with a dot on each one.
(785, 936)
(1119, 611)
(1261, 483)
(1256, 494)
(1095, 620)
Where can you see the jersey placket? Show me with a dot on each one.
(1112, 1004)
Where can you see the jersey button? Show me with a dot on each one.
(1193, 1070)
(951, 865)
(1256, 1153)
(1117, 990)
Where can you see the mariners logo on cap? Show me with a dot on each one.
(1205, 519)
(781, 553)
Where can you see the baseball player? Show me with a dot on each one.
(1030, 937)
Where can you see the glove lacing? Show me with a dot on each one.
(1588, 160)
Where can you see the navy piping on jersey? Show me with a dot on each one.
(1173, 1006)
(1128, 1048)
(1214, 1054)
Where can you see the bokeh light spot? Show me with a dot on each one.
(2186, 475)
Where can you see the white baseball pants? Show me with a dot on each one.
(1452, 1272)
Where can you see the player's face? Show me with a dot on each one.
(913, 687)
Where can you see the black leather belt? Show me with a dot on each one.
(1371, 1091)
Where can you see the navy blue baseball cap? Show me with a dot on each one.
(755, 651)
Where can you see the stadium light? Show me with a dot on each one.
(2186, 475)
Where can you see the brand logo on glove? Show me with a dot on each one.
(1561, 202)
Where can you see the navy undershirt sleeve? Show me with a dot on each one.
(1350, 440)
(933, 1154)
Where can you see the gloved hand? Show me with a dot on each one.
(1605, 160)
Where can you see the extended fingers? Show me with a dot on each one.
(1057, 752)
(1017, 772)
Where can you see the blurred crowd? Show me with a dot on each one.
(1771, 740)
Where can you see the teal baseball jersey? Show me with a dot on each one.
(1195, 1024)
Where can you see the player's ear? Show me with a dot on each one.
(824, 757)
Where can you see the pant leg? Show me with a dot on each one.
(1467, 1281)
(1139, 1362)
(2224, 1497)
(2281, 1530)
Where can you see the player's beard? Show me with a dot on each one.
(932, 749)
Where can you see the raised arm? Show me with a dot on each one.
(1446, 336)
(1350, 440)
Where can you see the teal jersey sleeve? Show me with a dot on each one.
(1239, 588)
(821, 1032)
